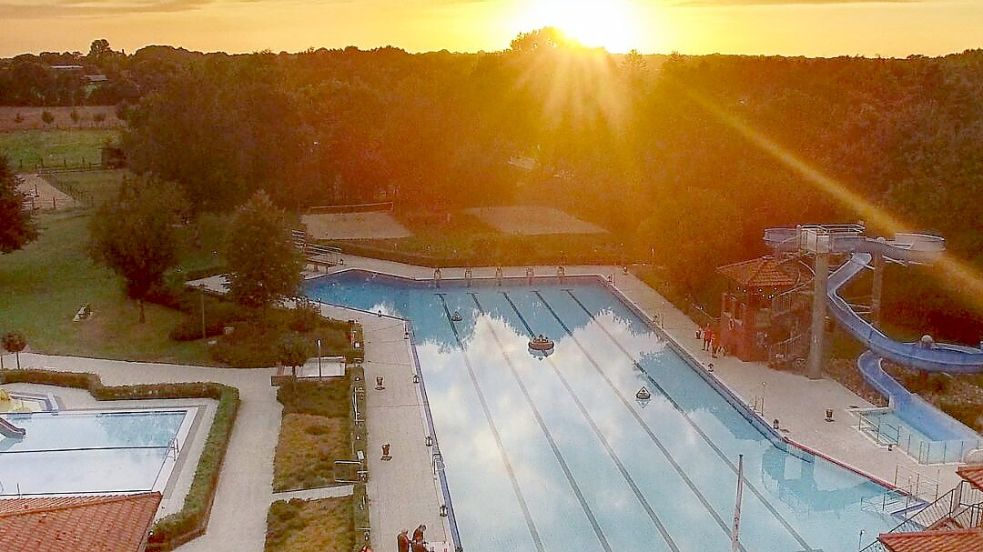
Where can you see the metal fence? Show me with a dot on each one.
(923, 450)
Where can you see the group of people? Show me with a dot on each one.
(416, 544)
(710, 341)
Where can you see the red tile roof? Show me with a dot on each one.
(972, 473)
(765, 272)
(118, 523)
(962, 540)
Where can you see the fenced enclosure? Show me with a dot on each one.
(886, 429)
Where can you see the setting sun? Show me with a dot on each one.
(609, 24)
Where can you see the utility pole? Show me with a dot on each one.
(820, 248)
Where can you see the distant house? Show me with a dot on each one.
(120, 523)
(68, 68)
(96, 79)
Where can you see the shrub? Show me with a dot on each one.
(191, 521)
(318, 398)
(47, 117)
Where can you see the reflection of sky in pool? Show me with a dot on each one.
(557, 455)
(82, 452)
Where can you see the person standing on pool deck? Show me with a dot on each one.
(707, 337)
(418, 543)
(403, 541)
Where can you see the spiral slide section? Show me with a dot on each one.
(953, 359)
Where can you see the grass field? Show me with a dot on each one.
(310, 526)
(29, 149)
(89, 187)
(44, 285)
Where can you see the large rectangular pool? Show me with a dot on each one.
(79, 452)
(557, 454)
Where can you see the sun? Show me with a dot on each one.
(609, 24)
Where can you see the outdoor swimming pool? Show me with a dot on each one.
(76, 452)
(557, 454)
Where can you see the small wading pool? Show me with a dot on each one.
(81, 452)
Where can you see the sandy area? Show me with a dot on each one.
(533, 220)
(351, 226)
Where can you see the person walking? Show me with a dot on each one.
(418, 534)
(403, 541)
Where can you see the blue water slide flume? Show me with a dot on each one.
(925, 356)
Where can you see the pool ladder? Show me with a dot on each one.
(174, 447)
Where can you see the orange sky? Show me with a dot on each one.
(793, 27)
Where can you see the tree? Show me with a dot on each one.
(14, 342)
(16, 223)
(135, 234)
(293, 351)
(264, 265)
(47, 117)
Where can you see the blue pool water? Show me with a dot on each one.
(557, 454)
(88, 452)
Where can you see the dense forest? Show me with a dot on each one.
(687, 159)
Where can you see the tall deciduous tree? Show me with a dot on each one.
(16, 224)
(135, 234)
(264, 266)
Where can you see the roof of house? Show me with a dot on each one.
(961, 540)
(972, 473)
(116, 523)
(763, 272)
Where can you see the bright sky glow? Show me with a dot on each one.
(784, 27)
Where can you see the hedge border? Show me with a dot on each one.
(360, 515)
(192, 521)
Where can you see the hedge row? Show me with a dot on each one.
(360, 502)
(191, 522)
(503, 251)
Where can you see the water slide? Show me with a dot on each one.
(904, 248)
(953, 359)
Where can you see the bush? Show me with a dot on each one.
(180, 527)
(317, 398)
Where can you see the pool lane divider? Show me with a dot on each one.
(534, 533)
(600, 435)
(781, 519)
(658, 443)
(549, 436)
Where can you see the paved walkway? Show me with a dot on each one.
(245, 488)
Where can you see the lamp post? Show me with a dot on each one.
(201, 289)
(319, 359)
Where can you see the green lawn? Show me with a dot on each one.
(89, 187)
(26, 149)
(44, 285)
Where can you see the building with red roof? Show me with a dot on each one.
(117, 523)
